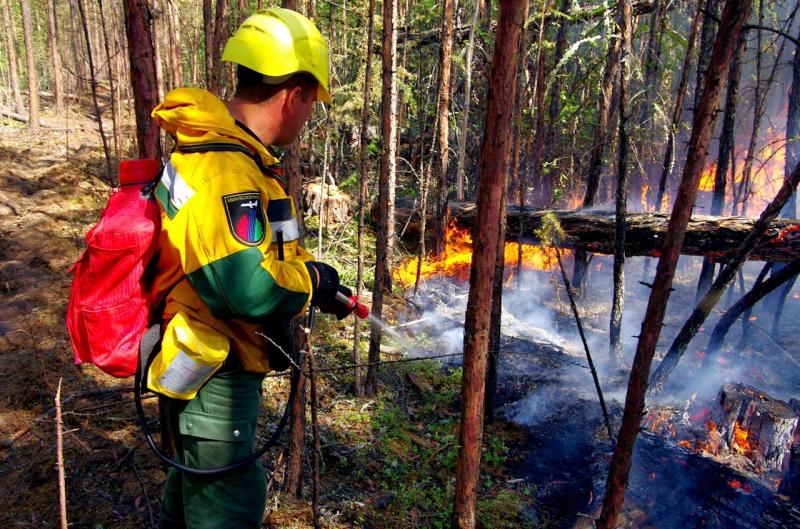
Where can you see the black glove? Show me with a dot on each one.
(325, 282)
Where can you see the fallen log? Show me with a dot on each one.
(593, 230)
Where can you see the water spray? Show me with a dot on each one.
(364, 312)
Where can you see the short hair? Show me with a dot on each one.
(254, 87)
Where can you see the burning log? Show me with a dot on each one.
(593, 230)
(754, 424)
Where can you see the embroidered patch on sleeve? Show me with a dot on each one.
(245, 215)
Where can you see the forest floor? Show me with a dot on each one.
(388, 462)
(377, 453)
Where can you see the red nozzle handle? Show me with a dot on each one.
(359, 309)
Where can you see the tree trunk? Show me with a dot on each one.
(777, 300)
(618, 302)
(143, 76)
(174, 42)
(726, 143)
(761, 97)
(677, 110)
(652, 63)
(295, 446)
(785, 274)
(11, 51)
(543, 191)
(710, 17)
(112, 88)
(733, 17)
(93, 80)
(462, 139)
(493, 178)
(208, 41)
(443, 126)
(600, 138)
(363, 161)
(710, 300)
(554, 109)
(385, 233)
(55, 55)
(30, 59)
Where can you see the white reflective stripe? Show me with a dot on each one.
(185, 375)
(179, 190)
(291, 232)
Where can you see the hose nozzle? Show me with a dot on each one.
(352, 303)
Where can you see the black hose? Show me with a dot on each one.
(272, 441)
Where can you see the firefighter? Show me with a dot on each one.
(230, 265)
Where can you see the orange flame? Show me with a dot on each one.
(457, 258)
(740, 441)
(766, 175)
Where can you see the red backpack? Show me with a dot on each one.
(110, 306)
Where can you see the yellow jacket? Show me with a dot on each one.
(218, 261)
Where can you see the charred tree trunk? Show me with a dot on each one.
(11, 52)
(787, 273)
(30, 59)
(733, 17)
(723, 160)
(600, 138)
(677, 110)
(55, 55)
(363, 160)
(442, 117)
(143, 76)
(385, 234)
(615, 327)
(715, 237)
(462, 139)
(493, 178)
(710, 17)
(726, 143)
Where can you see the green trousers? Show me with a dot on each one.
(214, 429)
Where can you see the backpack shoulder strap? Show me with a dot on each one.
(233, 147)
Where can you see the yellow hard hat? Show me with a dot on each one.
(279, 42)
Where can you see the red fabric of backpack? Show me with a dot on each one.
(109, 304)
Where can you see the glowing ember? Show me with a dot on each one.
(738, 485)
(686, 444)
(457, 257)
(740, 441)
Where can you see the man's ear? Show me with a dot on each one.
(293, 99)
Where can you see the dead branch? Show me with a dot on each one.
(62, 488)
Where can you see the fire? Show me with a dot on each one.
(740, 441)
(457, 258)
(712, 445)
(766, 175)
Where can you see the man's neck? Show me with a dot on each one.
(251, 115)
